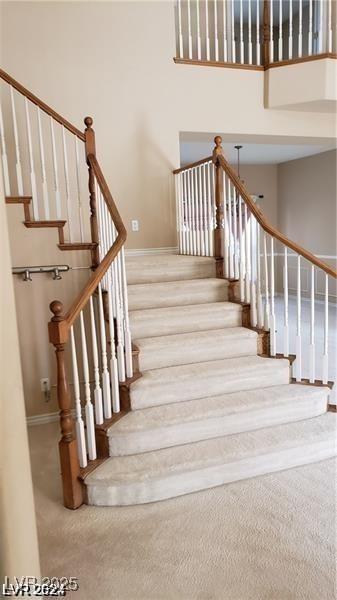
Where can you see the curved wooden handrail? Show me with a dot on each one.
(97, 275)
(191, 165)
(42, 105)
(266, 225)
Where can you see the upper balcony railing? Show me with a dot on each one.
(254, 33)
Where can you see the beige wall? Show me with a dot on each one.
(18, 538)
(307, 202)
(262, 179)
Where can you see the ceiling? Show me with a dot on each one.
(266, 150)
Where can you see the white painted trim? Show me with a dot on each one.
(43, 419)
(146, 251)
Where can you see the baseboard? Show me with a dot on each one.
(146, 251)
(42, 419)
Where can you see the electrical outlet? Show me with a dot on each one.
(135, 225)
(45, 388)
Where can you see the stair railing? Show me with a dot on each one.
(253, 33)
(95, 328)
(268, 267)
(43, 156)
(98, 326)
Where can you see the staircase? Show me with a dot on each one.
(180, 378)
(208, 409)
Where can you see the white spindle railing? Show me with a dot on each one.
(40, 141)
(195, 210)
(203, 34)
(270, 273)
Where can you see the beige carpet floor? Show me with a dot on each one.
(269, 538)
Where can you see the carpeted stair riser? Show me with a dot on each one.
(184, 469)
(196, 347)
(184, 319)
(153, 269)
(191, 421)
(199, 380)
(177, 293)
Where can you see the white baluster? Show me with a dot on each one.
(17, 146)
(242, 47)
(180, 32)
(258, 47)
(280, 32)
(89, 411)
(79, 425)
(253, 308)
(197, 217)
(310, 34)
(97, 391)
(105, 372)
(226, 230)
(207, 31)
(113, 358)
(193, 215)
(185, 212)
(43, 168)
(259, 303)
(290, 51)
(312, 327)
(211, 188)
(4, 156)
(247, 254)
(272, 301)
(179, 232)
(242, 255)
(299, 324)
(198, 30)
(190, 41)
(286, 304)
(55, 171)
(320, 27)
(206, 209)
(127, 334)
(271, 44)
(189, 212)
(233, 33)
(250, 44)
(300, 28)
(224, 14)
(266, 323)
(325, 374)
(78, 184)
(235, 235)
(230, 229)
(31, 161)
(67, 184)
(330, 26)
(201, 214)
(216, 40)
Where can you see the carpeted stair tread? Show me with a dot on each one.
(177, 293)
(183, 469)
(211, 378)
(186, 348)
(184, 319)
(168, 267)
(185, 422)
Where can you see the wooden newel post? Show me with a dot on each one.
(70, 468)
(266, 34)
(219, 215)
(90, 149)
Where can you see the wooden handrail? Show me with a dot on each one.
(191, 165)
(89, 288)
(258, 214)
(42, 105)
